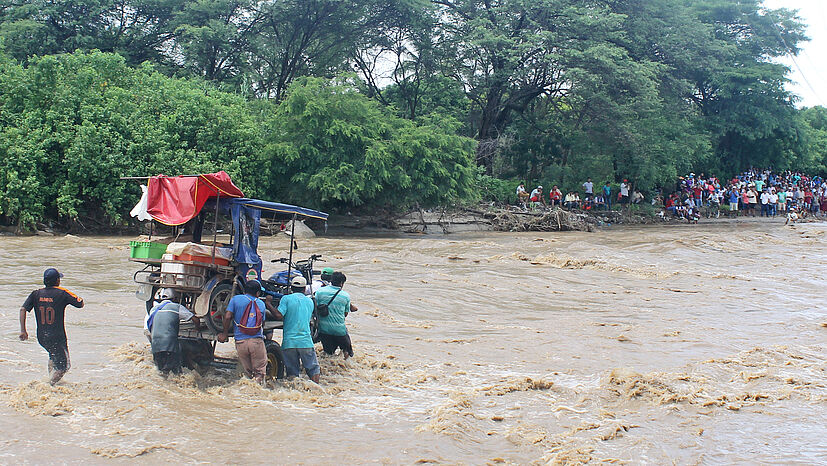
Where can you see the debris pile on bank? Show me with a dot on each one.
(547, 220)
(509, 218)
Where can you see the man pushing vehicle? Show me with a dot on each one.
(333, 305)
(246, 314)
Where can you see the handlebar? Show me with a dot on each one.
(314, 257)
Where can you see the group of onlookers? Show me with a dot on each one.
(752, 193)
(594, 197)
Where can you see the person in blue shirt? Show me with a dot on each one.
(607, 195)
(332, 330)
(246, 314)
(296, 309)
(734, 197)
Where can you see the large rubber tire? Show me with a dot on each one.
(196, 353)
(275, 360)
(219, 299)
(314, 327)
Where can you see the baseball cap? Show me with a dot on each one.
(51, 275)
(165, 293)
(298, 281)
(327, 271)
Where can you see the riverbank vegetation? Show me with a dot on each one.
(366, 106)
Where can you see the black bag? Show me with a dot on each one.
(322, 309)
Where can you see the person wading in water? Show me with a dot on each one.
(49, 305)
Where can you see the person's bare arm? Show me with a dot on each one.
(23, 335)
(273, 310)
(228, 318)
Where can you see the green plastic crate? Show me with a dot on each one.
(146, 250)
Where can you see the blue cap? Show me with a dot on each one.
(51, 276)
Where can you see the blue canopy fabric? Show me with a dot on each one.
(245, 243)
(246, 214)
(286, 209)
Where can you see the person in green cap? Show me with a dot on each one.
(332, 330)
(324, 280)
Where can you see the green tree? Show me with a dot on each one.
(72, 124)
(506, 54)
(814, 125)
(140, 30)
(333, 147)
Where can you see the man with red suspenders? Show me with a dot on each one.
(49, 305)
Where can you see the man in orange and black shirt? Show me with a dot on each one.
(49, 305)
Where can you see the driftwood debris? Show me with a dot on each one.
(502, 218)
(546, 220)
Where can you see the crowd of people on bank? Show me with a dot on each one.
(763, 193)
(753, 193)
(594, 197)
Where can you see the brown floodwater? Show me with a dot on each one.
(685, 344)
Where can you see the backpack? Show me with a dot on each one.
(324, 309)
(246, 318)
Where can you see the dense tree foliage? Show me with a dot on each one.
(333, 144)
(543, 90)
(73, 124)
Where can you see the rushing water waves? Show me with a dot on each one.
(658, 345)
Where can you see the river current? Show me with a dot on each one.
(685, 344)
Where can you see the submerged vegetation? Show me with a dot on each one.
(362, 105)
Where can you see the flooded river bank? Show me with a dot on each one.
(684, 344)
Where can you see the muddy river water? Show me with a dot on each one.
(686, 344)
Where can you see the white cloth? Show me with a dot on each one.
(197, 249)
(139, 210)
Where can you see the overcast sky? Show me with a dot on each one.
(813, 58)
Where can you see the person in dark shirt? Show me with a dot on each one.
(49, 306)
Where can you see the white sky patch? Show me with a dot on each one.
(812, 60)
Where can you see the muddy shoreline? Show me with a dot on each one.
(445, 221)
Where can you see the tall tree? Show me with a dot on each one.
(139, 30)
(507, 53)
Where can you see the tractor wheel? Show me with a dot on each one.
(219, 299)
(275, 360)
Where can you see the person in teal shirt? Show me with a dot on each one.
(296, 310)
(332, 330)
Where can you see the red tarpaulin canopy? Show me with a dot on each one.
(175, 200)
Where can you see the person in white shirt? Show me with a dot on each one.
(537, 196)
(773, 203)
(765, 204)
(624, 192)
(522, 195)
(589, 187)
